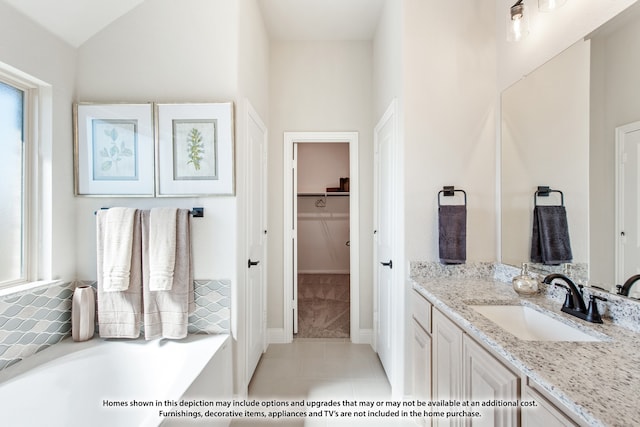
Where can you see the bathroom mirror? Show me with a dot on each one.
(558, 130)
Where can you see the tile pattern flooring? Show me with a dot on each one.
(321, 369)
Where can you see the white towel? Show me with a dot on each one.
(162, 248)
(120, 313)
(117, 242)
(166, 314)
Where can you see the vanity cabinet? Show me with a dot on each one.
(463, 370)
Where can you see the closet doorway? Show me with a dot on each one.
(321, 257)
(323, 240)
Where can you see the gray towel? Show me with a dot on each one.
(550, 243)
(166, 313)
(452, 229)
(119, 313)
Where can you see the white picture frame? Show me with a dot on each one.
(114, 150)
(195, 149)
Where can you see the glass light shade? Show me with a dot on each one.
(517, 23)
(550, 5)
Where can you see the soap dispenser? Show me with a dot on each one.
(525, 285)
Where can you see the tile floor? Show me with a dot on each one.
(321, 369)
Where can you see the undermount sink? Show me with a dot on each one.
(529, 324)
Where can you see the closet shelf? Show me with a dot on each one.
(329, 194)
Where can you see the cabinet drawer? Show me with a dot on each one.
(421, 310)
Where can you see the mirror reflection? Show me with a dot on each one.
(559, 128)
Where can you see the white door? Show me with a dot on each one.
(384, 208)
(628, 194)
(256, 239)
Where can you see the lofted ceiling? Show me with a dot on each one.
(75, 21)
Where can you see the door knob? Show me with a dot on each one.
(387, 264)
(252, 263)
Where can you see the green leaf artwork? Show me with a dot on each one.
(195, 147)
(116, 151)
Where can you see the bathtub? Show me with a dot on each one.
(95, 383)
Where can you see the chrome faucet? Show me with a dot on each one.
(624, 289)
(574, 301)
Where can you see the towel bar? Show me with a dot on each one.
(544, 191)
(195, 212)
(448, 191)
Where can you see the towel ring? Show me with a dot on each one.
(544, 191)
(449, 191)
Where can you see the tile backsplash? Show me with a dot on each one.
(31, 321)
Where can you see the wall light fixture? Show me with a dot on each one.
(518, 22)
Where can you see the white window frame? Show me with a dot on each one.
(37, 204)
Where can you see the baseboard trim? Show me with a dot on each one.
(365, 336)
(276, 336)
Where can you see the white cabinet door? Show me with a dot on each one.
(447, 363)
(486, 379)
(421, 363)
(544, 414)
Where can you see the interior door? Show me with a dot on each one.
(628, 200)
(256, 239)
(384, 202)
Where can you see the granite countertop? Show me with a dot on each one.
(598, 381)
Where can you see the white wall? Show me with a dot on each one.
(319, 86)
(387, 58)
(449, 91)
(32, 50)
(615, 102)
(545, 141)
(166, 51)
(321, 166)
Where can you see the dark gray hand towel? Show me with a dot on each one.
(550, 243)
(452, 230)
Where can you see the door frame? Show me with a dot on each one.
(290, 225)
(621, 133)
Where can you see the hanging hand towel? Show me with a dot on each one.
(166, 313)
(452, 230)
(119, 313)
(550, 243)
(116, 247)
(162, 248)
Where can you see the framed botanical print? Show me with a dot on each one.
(113, 149)
(195, 152)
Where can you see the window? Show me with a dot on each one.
(13, 178)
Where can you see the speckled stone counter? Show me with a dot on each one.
(598, 381)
